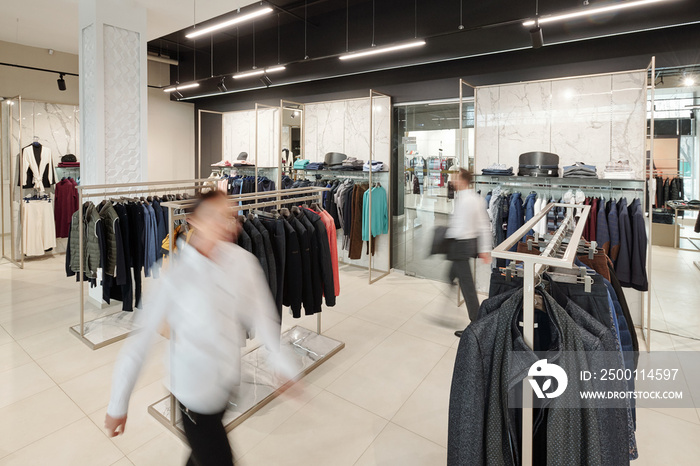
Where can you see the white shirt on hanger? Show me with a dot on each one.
(208, 305)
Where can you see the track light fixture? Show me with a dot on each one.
(222, 84)
(536, 37)
(61, 82)
(265, 79)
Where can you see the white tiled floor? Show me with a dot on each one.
(381, 401)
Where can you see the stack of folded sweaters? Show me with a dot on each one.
(580, 170)
(351, 164)
(497, 169)
(376, 166)
(316, 166)
(619, 170)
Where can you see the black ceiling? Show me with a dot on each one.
(490, 26)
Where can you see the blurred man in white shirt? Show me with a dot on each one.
(470, 229)
(214, 293)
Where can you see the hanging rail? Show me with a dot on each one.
(104, 191)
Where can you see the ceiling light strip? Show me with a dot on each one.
(590, 11)
(259, 72)
(180, 88)
(378, 50)
(237, 20)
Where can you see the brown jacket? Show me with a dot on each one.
(356, 227)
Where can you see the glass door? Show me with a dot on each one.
(428, 151)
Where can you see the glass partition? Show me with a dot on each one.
(428, 139)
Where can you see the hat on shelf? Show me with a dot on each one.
(334, 159)
(243, 156)
(69, 158)
(538, 163)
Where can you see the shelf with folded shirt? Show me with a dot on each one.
(561, 183)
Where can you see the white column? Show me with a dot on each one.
(113, 92)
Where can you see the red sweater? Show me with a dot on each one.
(65, 204)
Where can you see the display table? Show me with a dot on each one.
(680, 206)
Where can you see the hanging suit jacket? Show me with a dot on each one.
(307, 293)
(293, 272)
(333, 244)
(613, 230)
(269, 255)
(125, 291)
(623, 266)
(258, 247)
(325, 260)
(275, 229)
(244, 240)
(355, 250)
(638, 248)
(316, 285)
(37, 169)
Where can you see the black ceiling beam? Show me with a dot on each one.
(39, 69)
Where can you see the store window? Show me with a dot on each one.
(428, 140)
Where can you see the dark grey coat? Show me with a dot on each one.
(492, 360)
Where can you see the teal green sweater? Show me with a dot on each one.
(380, 213)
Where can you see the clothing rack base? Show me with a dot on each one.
(306, 348)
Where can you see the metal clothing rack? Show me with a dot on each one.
(533, 266)
(103, 191)
(177, 210)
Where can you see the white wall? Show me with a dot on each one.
(170, 138)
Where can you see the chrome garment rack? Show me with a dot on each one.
(178, 210)
(104, 191)
(534, 266)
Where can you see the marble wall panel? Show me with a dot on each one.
(239, 134)
(56, 126)
(310, 143)
(628, 135)
(356, 132)
(331, 129)
(592, 119)
(487, 124)
(580, 120)
(382, 130)
(268, 137)
(524, 115)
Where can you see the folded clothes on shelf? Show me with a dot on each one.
(223, 163)
(376, 166)
(316, 166)
(243, 163)
(301, 164)
(498, 169)
(351, 163)
(580, 170)
(615, 175)
(69, 164)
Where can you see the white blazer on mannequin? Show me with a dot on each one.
(29, 164)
